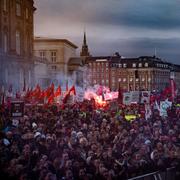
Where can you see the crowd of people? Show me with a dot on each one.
(83, 143)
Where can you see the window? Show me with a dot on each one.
(119, 79)
(124, 65)
(143, 79)
(54, 67)
(140, 64)
(5, 5)
(113, 80)
(29, 77)
(146, 64)
(131, 79)
(18, 9)
(124, 79)
(5, 43)
(21, 76)
(18, 43)
(120, 65)
(42, 54)
(53, 56)
(27, 13)
(134, 65)
(6, 75)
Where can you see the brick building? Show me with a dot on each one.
(144, 73)
(16, 43)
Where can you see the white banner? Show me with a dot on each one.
(145, 97)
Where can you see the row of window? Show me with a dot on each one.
(162, 65)
(99, 64)
(53, 55)
(21, 76)
(134, 65)
(18, 9)
(119, 65)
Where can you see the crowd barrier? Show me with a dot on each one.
(169, 174)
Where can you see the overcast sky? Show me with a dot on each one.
(131, 27)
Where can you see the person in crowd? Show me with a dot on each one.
(83, 143)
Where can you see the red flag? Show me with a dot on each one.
(50, 99)
(72, 90)
(49, 91)
(58, 91)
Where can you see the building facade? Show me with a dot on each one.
(16, 43)
(142, 73)
(57, 53)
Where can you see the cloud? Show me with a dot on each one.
(134, 28)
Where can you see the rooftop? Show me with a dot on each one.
(46, 39)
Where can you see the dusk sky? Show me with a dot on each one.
(133, 28)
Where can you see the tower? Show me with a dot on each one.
(84, 50)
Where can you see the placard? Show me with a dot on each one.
(17, 109)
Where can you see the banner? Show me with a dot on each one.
(127, 97)
(145, 97)
(135, 96)
(17, 109)
(164, 105)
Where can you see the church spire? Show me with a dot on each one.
(84, 38)
(84, 50)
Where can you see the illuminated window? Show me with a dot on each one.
(53, 56)
(124, 79)
(131, 79)
(18, 43)
(146, 64)
(119, 79)
(120, 65)
(124, 65)
(18, 9)
(134, 65)
(140, 64)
